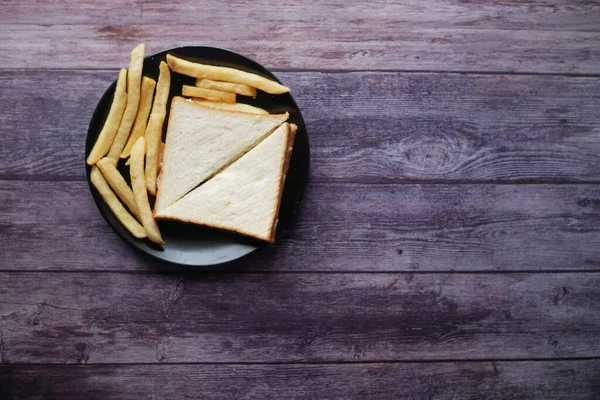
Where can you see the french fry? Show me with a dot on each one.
(141, 119)
(115, 205)
(138, 182)
(239, 107)
(154, 128)
(161, 153)
(118, 185)
(111, 125)
(134, 78)
(224, 74)
(238, 88)
(216, 95)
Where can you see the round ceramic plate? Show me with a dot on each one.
(191, 244)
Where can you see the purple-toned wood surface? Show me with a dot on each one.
(448, 245)
(573, 379)
(341, 227)
(100, 318)
(363, 127)
(443, 35)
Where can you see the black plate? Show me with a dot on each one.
(190, 244)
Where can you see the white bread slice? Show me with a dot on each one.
(201, 141)
(245, 196)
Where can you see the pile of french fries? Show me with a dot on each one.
(134, 125)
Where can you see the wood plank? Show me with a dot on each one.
(489, 380)
(413, 127)
(151, 318)
(348, 227)
(577, 15)
(392, 46)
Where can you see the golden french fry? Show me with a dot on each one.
(141, 119)
(239, 107)
(111, 125)
(138, 181)
(134, 78)
(161, 152)
(224, 74)
(154, 128)
(115, 205)
(118, 185)
(238, 88)
(216, 95)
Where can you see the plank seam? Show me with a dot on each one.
(347, 71)
(333, 363)
(463, 27)
(73, 178)
(232, 270)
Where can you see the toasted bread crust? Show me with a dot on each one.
(289, 144)
(179, 98)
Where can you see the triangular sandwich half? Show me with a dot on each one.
(201, 141)
(245, 196)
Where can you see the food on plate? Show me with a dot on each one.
(201, 141)
(238, 88)
(239, 107)
(111, 125)
(154, 128)
(225, 74)
(161, 153)
(141, 119)
(134, 79)
(216, 95)
(246, 195)
(222, 164)
(118, 184)
(138, 182)
(115, 205)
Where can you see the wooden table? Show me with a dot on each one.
(448, 245)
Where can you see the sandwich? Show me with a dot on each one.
(201, 141)
(245, 196)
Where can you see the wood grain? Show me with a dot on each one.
(489, 380)
(138, 318)
(577, 15)
(381, 47)
(425, 127)
(341, 227)
(452, 216)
